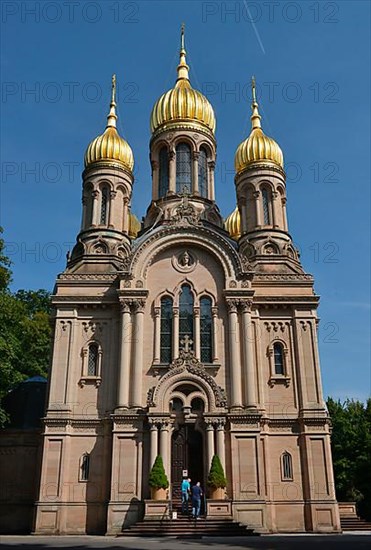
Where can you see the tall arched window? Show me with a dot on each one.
(163, 174)
(166, 329)
(279, 365)
(104, 206)
(183, 168)
(93, 360)
(266, 206)
(185, 314)
(286, 466)
(206, 330)
(84, 467)
(202, 173)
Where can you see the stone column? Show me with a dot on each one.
(172, 171)
(211, 178)
(94, 217)
(125, 215)
(124, 361)
(153, 444)
(234, 355)
(195, 158)
(275, 214)
(284, 214)
(220, 441)
(164, 446)
(111, 218)
(155, 180)
(84, 208)
(138, 338)
(197, 331)
(175, 332)
(214, 313)
(157, 356)
(248, 355)
(242, 207)
(210, 450)
(256, 196)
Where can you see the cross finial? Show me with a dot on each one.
(113, 99)
(182, 29)
(186, 343)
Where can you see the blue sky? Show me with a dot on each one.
(311, 62)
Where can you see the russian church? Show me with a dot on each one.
(185, 336)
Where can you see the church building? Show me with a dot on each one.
(185, 336)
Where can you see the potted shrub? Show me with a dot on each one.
(158, 480)
(216, 480)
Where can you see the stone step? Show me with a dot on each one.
(355, 524)
(187, 527)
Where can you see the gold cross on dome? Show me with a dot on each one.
(186, 343)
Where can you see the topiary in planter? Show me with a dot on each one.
(157, 477)
(216, 479)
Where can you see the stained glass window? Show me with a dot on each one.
(104, 206)
(266, 212)
(163, 181)
(206, 330)
(202, 173)
(183, 168)
(185, 313)
(93, 360)
(278, 358)
(166, 329)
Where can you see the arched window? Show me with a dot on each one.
(166, 330)
(206, 330)
(279, 365)
(104, 206)
(183, 168)
(93, 360)
(202, 173)
(266, 206)
(286, 466)
(185, 314)
(163, 175)
(84, 467)
(197, 405)
(176, 404)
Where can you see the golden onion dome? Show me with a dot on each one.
(134, 225)
(110, 146)
(257, 148)
(182, 106)
(232, 224)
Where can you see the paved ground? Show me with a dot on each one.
(267, 542)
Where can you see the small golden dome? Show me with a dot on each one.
(232, 224)
(134, 225)
(110, 146)
(257, 148)
(182, 105)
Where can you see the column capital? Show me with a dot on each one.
(138, 305)
(112, 194)
(196, 311)
(157, 311)
(214, 311)
(256, 194)
(124, 305)
(196, 155)
(211, 164)
(95, 194)
(154, 164)
(232, 305)
(171, 155)
(175, 311)
(246, 306)
(220, 423)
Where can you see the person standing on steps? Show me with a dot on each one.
(196, 500)
(185, 490)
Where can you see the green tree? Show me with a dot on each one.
(25, 332)
(216, 478)
(351, 451)
(157, 477)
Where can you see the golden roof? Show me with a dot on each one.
(232, 224)
(134, 225)
(182, 106)
(257, 148)
(110, 146)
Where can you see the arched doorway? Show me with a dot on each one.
(187, 453)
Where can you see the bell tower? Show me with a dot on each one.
(107, 223)
(182, 150)
(261, 197)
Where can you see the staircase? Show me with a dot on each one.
(185, 527)
(354, 524)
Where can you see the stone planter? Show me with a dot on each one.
(219, 509)
(217, 493)
(156, 509)
(158, 494)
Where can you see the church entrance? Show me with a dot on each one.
(186, 454)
